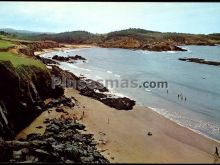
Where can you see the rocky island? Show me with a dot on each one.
(200, 61)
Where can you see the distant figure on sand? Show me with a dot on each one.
(178, 96)
(185, 98)
(167, 91)
(216, 151)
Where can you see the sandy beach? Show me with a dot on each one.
(122, 136)
(65, 47)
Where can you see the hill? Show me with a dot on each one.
(133, 38)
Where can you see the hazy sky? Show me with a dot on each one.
(100, 17)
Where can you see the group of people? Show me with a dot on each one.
(180, 96)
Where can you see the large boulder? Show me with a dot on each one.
(69, 59)
(62, 142)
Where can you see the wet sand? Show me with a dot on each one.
(123, 135)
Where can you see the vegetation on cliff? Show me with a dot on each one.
(5, 44)
(17, 60)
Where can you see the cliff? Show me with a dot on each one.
(23, 91)
(30, 47)
(24, 84)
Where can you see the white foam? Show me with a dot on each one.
(148, 90)
(109, 72)
(144, 51)
(171, 52)
(87, 69)
(176, 118)
(117, 75)
(119, 94)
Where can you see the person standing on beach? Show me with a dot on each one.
(216, 151)
(216, 155)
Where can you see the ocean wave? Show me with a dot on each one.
(173, 52)
(74, 66)
(86, 69)
(148, 90)
(144, 51)
(109, 71)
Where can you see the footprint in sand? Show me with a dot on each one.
(102, 138)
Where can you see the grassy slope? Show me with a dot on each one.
(18, 60)
(5, 44)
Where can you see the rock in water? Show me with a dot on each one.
(69, 59)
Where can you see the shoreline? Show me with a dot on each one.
(69, 46)
(180, 130)
(169, 142)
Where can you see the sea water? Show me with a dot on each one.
(198, 83)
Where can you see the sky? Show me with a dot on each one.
(103, 17)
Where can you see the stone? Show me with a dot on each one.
(59, 109)
(149, 134)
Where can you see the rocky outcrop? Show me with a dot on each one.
(162, 47)
(64, 101)
(123, 103)
(40, 45)
(135, 43)
(27, 51)
(92, 89)
(62, 142)
(23, 90)
(118, 103)
(63, 75)
(69, 59)
(47, 61)
(200, 61)
(31, 47)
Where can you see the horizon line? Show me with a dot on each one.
(44, 32)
